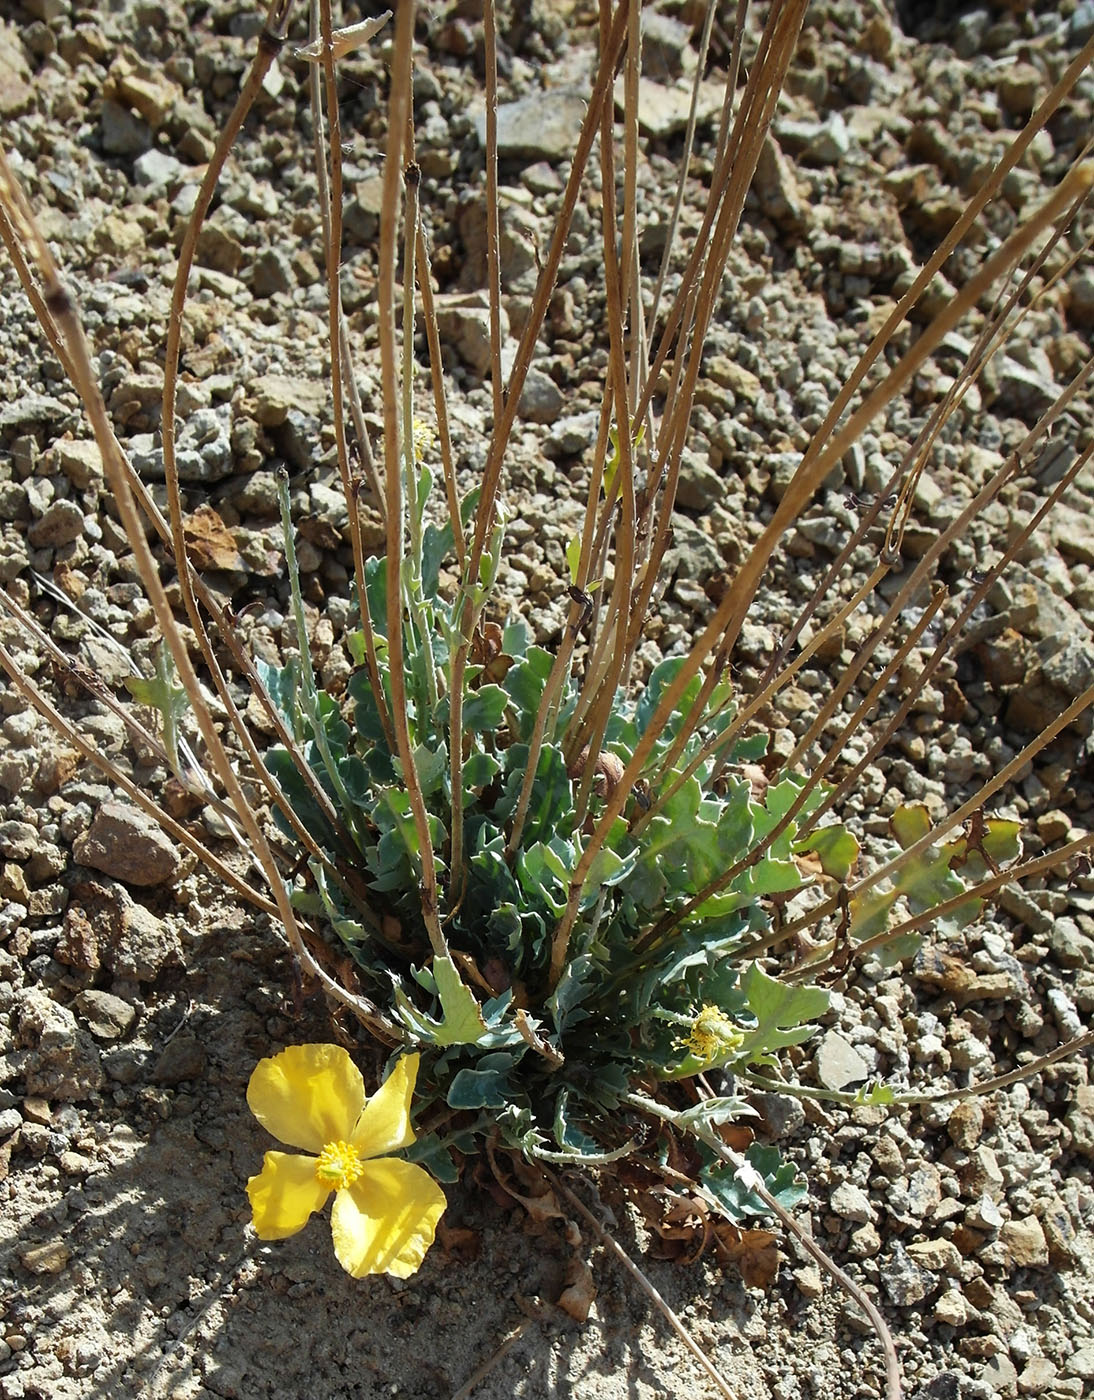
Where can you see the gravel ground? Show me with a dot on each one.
(135, 998)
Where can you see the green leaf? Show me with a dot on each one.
(573, 557)
(876, 1095)
(161, 693)
(835, 848)
(484, 1087)
(737, 1200)
(437, 544)
(781, 1012)
(462, 1021)
(567, 1134)
(524, 685)
(429, 1152)
(483, 709)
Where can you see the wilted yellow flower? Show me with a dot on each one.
(385, 1210)
(713, 1035)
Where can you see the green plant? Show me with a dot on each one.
(559, 879)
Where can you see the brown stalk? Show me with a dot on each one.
(485, 515)
(747, 1173)
(964, 223)
(730, 613)
(61, 308)
(976, 596)
(615, 269)
(137, 794)
(493, 233)
(786, 675)
(220, 616)
(329, 187)
(1013, 874)
(398, 112)
(813, 470)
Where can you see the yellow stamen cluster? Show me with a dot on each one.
(713, 1035)
(338, 1165)
(423, 439)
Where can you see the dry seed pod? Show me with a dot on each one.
(608, 771)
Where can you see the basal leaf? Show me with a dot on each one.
(462, 1021)
(782, 1012)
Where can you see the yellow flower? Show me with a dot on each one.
(385, 1210)
(713, 1035)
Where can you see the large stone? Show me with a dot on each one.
(122, 841)
(544, 127)
(62, 1061)
(105, 927)
(839, 1063)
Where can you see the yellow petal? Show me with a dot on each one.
(284, 1194)
(385, 1221)
(384, 1125)
(307, 1096)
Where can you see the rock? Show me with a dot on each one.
(666, 51)
(824, 142)
(692, 554)
(966, 1123)
(904, 1281)
(808, 1279)
(1081, 1363)
(62, 523)
(62, 1061)
(125, 843)
(49, 1258)
(951, 1310)
(940, 1256)
(18, 840)
(156, 168)
(544, 127)
(999, 1372)
(463, 321)
(1036, 1376)
(121, 133)
(851, 1203)
(105, 927)
(1025, 1244)
(663, 111)
(540, 399)
(571, 435)
(1080, 26)
(181, 1058)
(777, 190)
(839, 1063)
(106, 1016)
(919, 1199)
(81, 462)
(699, 486)
(16, 91)
(782, 1114)
(1060, 1236)
(272, 273)
(209, 542)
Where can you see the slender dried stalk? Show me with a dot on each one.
(646, 1285)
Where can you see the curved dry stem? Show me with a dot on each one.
(623, 1258)
(62, 309)
(754, 1182)
(813, 470)
(987, 191)
(398, 113)
(137, 795)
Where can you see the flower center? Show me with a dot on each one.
(338, 1165)
(713, 1035)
